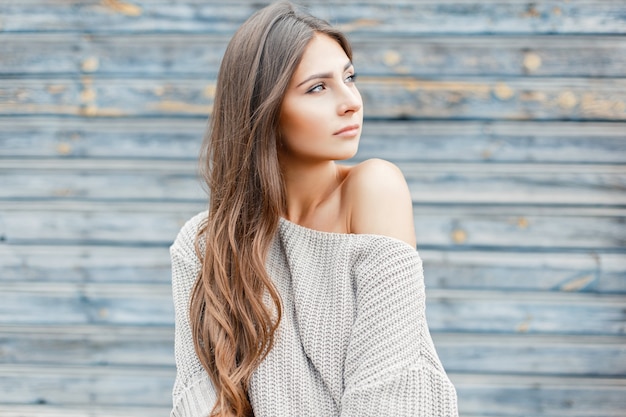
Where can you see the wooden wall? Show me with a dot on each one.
(507, 117)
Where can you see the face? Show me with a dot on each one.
(322, 111)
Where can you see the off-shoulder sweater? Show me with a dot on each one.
(353, 339)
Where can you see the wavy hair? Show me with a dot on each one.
(235, 308)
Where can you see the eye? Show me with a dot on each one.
(316, 88)
(351, 78)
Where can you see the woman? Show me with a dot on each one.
(300, 292)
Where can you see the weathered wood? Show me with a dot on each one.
(153, 346)
(529, 271)
(525, 354)
(166, 54)
(519, 312)
(448, 310)
(492, 394)
(539, 396)
(432, 183)
(435, 226)
(127, 304)
(356, 16)
(536, 271)
(470, 141)
(81, 411)
(86, 386)
(88, 345)
(395, 97)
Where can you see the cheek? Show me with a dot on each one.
(300, 121)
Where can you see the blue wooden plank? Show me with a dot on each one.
(86, 386)
(472, 269)
(478, 394)
(168, 54)
(397, 97)
(447, 310)
(517, 396)
(357, 16)
(430, 183)
(435, 226)
(409, 141)
(521, 354)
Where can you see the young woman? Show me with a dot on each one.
(299, 292)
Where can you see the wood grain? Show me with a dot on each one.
(398, 97)
(355, 16)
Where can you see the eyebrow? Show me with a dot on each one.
(324, 75)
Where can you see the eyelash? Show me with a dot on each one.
(351, 78)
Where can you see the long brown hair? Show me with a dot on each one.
(235, 308)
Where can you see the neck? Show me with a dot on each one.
(308, 187)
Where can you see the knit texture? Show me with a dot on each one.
(353, 339)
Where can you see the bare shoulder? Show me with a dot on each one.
(378, 201)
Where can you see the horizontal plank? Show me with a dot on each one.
(517, 396)
(535, 271)
(525, 354)
(127, 304)
(472, 269)
(434, 226)
(200, 55)
(355, 16)
(460, 353)
(384, 97)
(519, 312)
(483, 394)
(87, 386)
(448, 310)
(430, 183)
(88, 345)
(468, 141)
(43, 410)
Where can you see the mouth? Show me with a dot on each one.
(348, 131)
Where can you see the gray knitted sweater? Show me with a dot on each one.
(353, 339)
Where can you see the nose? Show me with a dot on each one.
(349, 99)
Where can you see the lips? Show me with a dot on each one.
(348, 130)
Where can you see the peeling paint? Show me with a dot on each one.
(392, 58)
(533, 96)
(577, 283)
(415, 85)
(532, 61)
(181, 107)
(88, 95)
(592, 106)
(503, 91)
(94, 111)
(127, 9)
(567, 100)
(64, 148)
(56, 88)
(524, 326)
(459, 236)
(359, 24)
(209, 91)
(90, 64)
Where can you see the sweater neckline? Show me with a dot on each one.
(320, 234)
(292, 225)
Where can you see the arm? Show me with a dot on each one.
(193, 393)
(391, 365)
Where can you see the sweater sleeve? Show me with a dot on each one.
(193, 394)
(391, 366)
